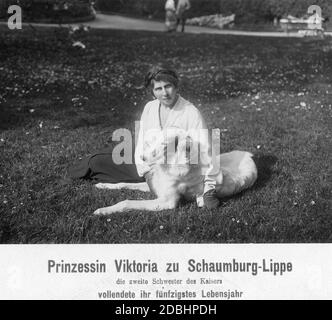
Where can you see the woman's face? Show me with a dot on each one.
(165, 92)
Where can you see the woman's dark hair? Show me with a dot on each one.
(161, 72)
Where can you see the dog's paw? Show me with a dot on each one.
(119, 207)
(104, 211)
(101, 186)
(98, 212)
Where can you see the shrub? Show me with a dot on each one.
(50, 10)
(267, 10)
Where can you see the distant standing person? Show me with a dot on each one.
(170, 20)
(181, 12)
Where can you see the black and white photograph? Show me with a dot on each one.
(165, 122)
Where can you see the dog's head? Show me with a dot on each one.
(174, 150)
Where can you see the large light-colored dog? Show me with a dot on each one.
(178, 177)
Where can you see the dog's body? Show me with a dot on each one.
(237, 173)
(170, 182)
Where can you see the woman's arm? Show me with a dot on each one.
(141, 165)
(202, 135)
(212, 168)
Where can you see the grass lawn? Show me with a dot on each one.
(59, 103)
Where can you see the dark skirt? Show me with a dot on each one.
(100, 167)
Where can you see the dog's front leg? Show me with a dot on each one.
(146, 205)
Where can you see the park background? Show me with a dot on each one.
(246, 11)
(65, 90)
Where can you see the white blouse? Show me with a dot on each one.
(184, 116)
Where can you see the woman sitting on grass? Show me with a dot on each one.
(168, 110)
